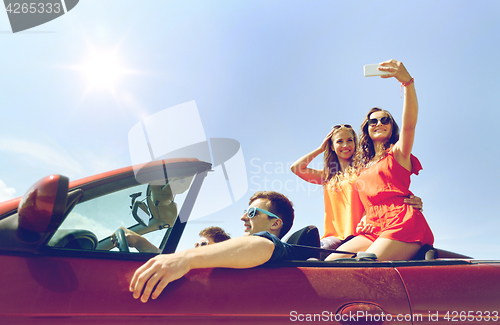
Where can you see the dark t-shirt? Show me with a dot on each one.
(282, 251)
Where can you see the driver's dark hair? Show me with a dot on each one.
(280, 206)
(216, 233)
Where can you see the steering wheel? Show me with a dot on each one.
(122, 241)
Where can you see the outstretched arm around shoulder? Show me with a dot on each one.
(242, 252)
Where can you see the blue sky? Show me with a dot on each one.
(274, 75)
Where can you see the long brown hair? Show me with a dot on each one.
(331, 164)
(367, 150)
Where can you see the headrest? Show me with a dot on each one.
(161, 203)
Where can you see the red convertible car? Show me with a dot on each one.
(58, 265)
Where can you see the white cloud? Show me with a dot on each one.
(98, 162)
(77, 221)
(79, 163)
(6, 193)
(50, 156)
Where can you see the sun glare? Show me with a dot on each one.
(103, 70)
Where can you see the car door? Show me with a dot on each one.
(445, 291)
(76, 276)
(93, 288)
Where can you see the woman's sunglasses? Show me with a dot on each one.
(384, 120)
(251, 212)
(338, 126)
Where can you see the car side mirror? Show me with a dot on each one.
(41, 210)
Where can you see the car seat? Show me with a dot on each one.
(307, 236)
(428, 252)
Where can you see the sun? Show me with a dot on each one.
(103, 70)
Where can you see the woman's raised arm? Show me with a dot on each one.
(402, 148)
(310, 175)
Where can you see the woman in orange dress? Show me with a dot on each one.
(399, 230)
(343, 209)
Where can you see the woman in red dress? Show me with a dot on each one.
(398, 230)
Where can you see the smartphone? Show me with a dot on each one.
(371, 70)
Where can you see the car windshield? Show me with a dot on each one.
(103, 215)
(150, 209)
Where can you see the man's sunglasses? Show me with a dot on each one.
(338, 126)
(202, 243)
(251, 212)
(384, 120)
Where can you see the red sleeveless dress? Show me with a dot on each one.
(382, 189)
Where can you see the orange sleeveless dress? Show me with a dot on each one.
(343, 209)
(382, 189)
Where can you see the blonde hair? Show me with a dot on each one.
(332, 172)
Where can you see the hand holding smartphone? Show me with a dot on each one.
(371, 70)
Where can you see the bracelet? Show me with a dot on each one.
(405, 84)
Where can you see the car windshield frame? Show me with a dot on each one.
(87, 189)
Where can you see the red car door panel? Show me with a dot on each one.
(54, 288)
(453, 293)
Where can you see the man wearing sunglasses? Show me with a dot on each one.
(211, 235)
(267, 219)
